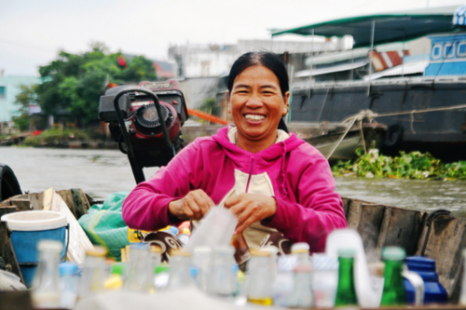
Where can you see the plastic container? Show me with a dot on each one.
(434, 292)
(30, 227)
(69, 281)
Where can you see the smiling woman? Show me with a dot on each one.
(274, 182)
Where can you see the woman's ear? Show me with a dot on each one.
(287, 105)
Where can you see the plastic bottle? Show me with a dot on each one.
(302, 293)
(260, 279)
(94, 272)
(393, 288)
(202, 261)
(223, 279)
(284, 284)
(69, 281)
(180, 270)
(115, 281)
(346, 292)
(46, 291)
(139, 269)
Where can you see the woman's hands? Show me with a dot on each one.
(250, 208)
(193, 206)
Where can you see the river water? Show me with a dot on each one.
(101, 172)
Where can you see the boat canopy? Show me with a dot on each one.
(389, 27)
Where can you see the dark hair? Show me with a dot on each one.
(267, 59)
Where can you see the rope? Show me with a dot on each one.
(371, 115)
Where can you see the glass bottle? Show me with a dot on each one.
(346, 291)
(46, 284)
(180, 270)
(222, 279)
(139, 268)
(69, 281)
(94, 272)
(202, 261)
(302, 296)
(393, 289)
(155, 259)
(260, 279)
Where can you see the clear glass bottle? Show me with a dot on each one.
(260, 279)
(155, 259)
(223, 279)
(346, 291)
(393, 289)
(202, 262)
(46, 291)
(69, 281)
(302, 274)
(94, 272)
(180, 270)
(139, 274)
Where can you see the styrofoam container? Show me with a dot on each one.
(34, 220)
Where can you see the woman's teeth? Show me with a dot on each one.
(254, 117)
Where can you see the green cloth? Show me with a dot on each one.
(104, 224)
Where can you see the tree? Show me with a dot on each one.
(75, 82)
(24, 99)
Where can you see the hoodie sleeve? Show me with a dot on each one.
(146, 207)
(318, 210)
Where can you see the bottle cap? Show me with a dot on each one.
(98, 251)
(180, 253)
(346, 252)
(271, 249)
(119, 268)
(202, 250)
(155, 249)
(393, 253)
(300, 247)
(50, 245)
(255, 252)
(68, 269)
(162, 268)
(227, 249)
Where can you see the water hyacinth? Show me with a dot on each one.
(414, 165)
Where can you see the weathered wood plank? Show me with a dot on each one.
(370, 224)
(444, 245)
(16, 300)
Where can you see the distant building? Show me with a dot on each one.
(164, 70)
(208, 60)
(9, 89)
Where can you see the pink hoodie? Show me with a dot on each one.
(308, 208)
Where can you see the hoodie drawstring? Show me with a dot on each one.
(250, 174)
(285, 190)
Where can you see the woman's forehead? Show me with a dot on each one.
(256, 75)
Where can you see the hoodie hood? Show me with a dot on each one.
(270, 154)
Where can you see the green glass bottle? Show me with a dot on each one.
(393, 289)
(346, 292)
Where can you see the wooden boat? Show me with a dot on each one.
(437, 235)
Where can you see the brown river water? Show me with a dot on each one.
(101, 172)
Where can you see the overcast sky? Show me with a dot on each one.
(33, 31)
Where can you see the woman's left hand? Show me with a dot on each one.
(250, 208)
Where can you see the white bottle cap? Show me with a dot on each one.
(300, 247)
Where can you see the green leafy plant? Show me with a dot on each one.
(414, 165)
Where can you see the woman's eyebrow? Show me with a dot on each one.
(269, 86)
(242, 85)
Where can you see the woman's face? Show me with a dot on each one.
(257, 104)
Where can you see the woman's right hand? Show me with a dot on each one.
(194, 206)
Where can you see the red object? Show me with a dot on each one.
(208, 117)
(122, 62)
(36, 132)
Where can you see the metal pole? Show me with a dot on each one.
(372, 55)
(310, 67)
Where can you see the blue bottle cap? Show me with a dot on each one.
(68, 269)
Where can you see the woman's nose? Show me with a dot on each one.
(254, 102)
